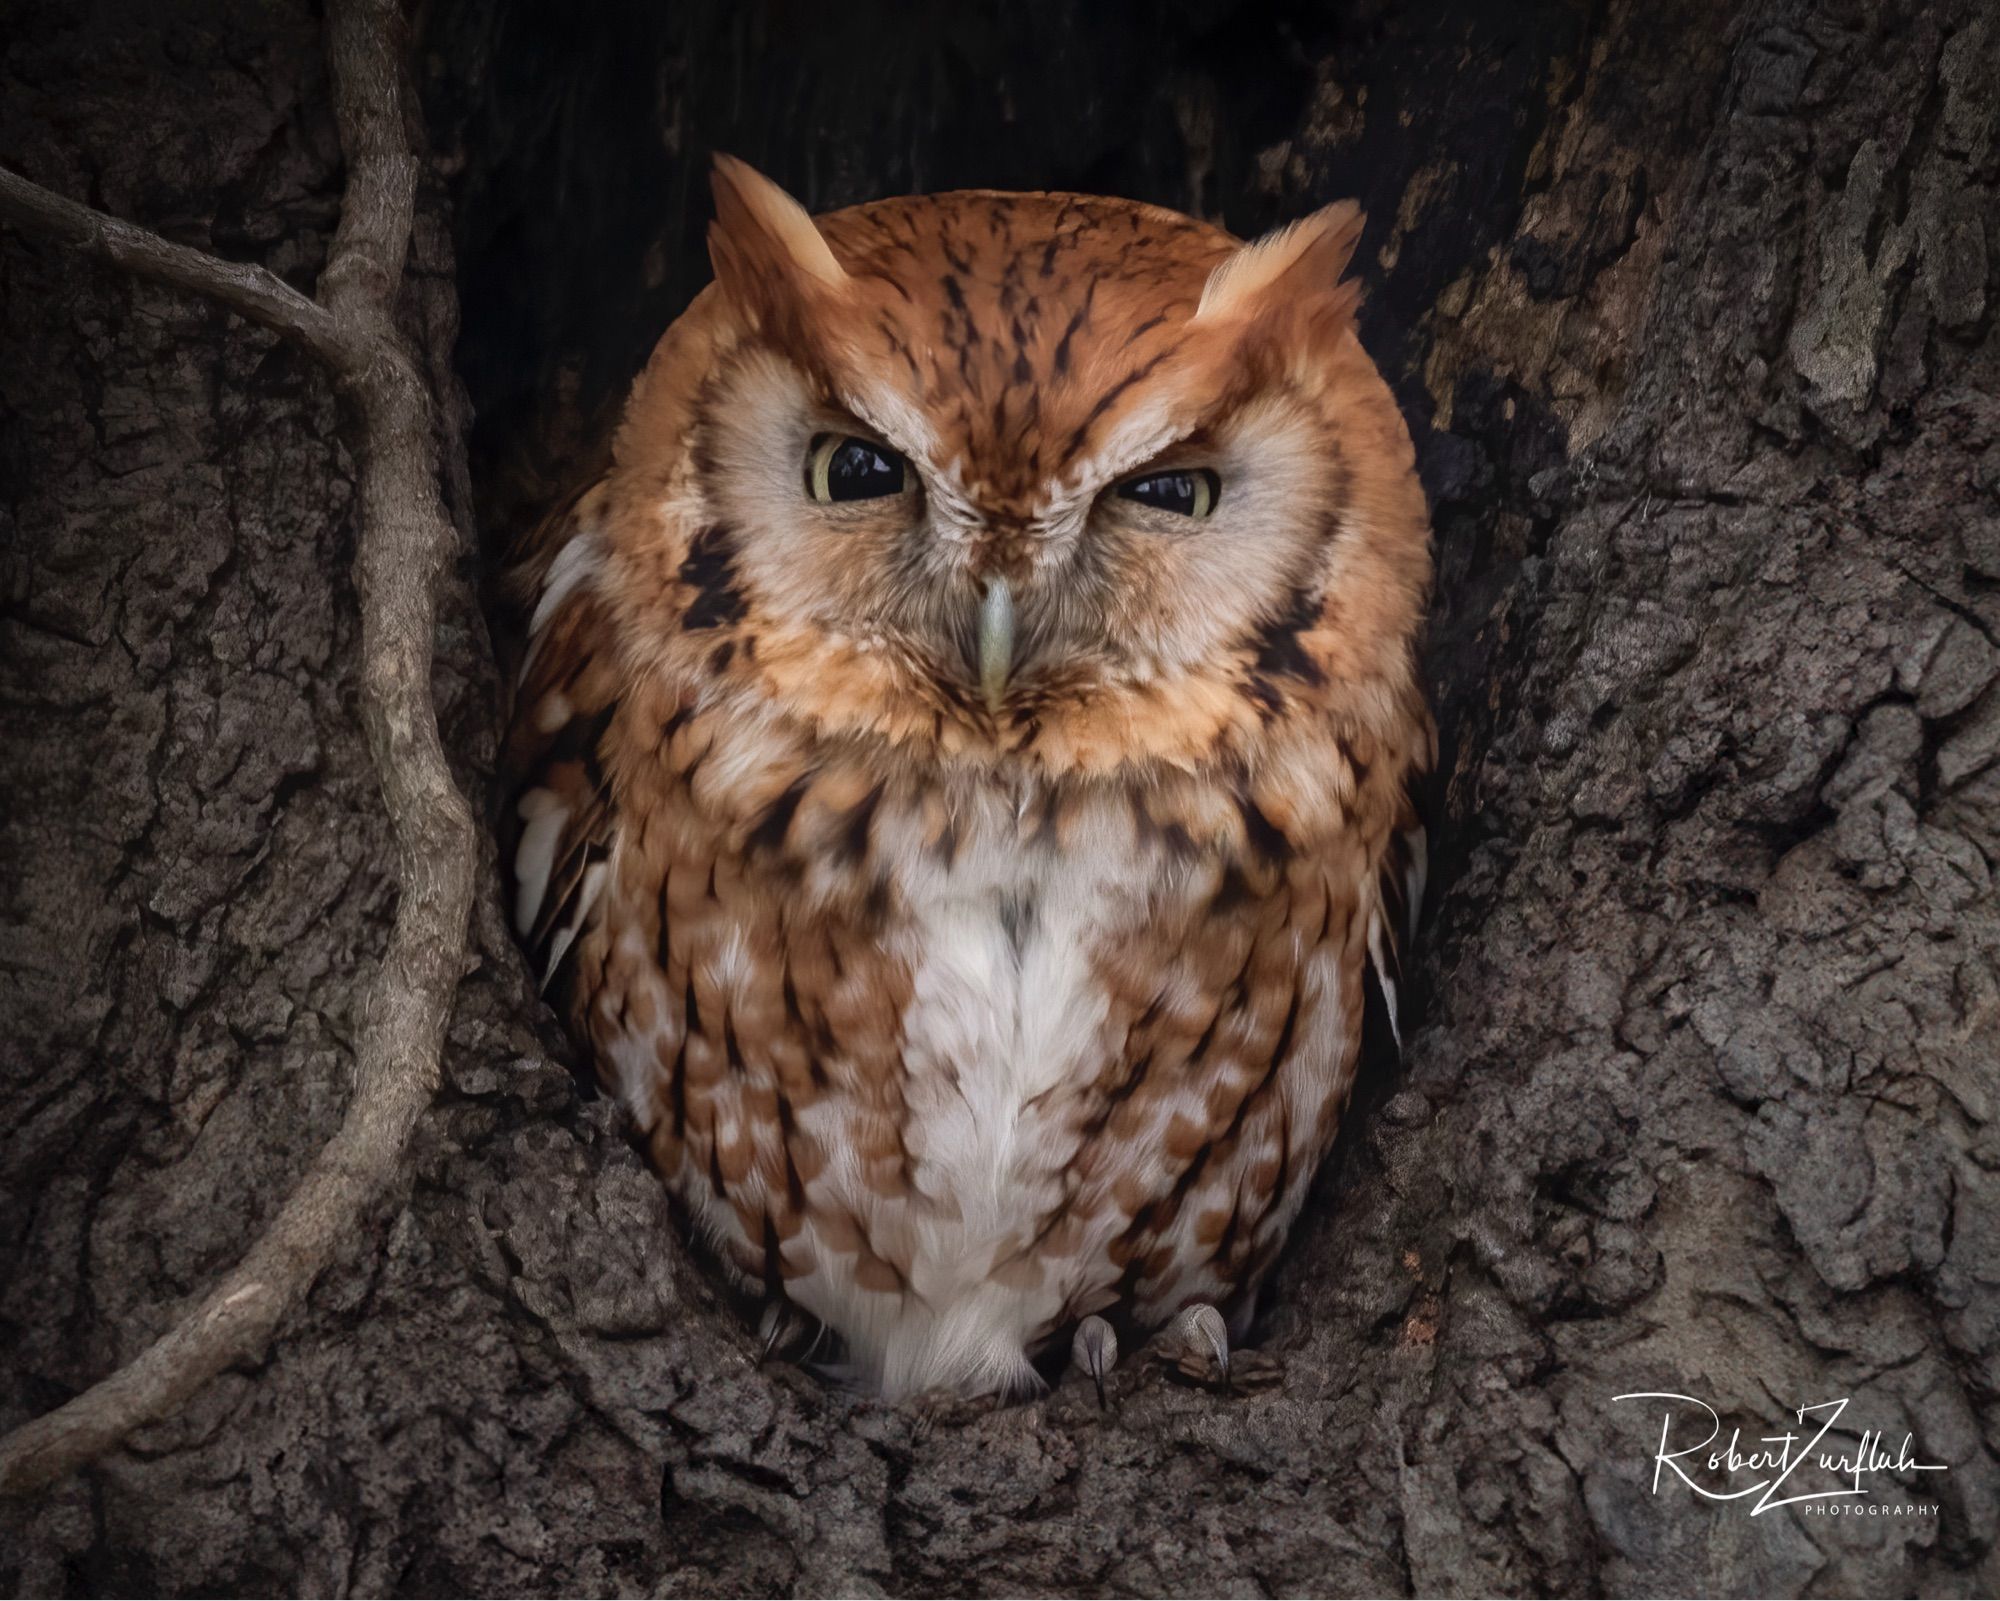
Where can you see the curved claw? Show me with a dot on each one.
(1095, 1350)
(1201, 1339)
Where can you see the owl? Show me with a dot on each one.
(962, 764)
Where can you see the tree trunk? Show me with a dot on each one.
(1692, 307)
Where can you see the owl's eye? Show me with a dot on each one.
(841, 467)
(1192, 492)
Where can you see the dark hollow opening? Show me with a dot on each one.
(581, 207)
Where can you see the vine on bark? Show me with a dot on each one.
(405, 543)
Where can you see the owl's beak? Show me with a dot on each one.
(996, 641)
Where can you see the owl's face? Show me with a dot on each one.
(1028, 475)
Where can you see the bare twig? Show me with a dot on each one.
(405, 543)
(246, 289)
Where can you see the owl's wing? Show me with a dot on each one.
(563, 822)
(1399, 900)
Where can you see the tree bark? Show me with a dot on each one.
(1692, 308)
(405, 540)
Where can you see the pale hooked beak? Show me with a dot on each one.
(996, 641)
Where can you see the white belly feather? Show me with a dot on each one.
(1004, 1006)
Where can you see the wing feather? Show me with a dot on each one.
(1399, 902)
(564, 825)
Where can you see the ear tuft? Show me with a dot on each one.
(760, 231)
(1292, 267)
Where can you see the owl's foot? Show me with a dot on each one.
(1095, 1350)
(1195, 1347)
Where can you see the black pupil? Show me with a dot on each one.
(858, 470)
(1167, 491)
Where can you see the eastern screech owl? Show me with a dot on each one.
(962, 762)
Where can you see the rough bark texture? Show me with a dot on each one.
(406, 543)
(1693, 308)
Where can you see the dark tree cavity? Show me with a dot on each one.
(1692, 308)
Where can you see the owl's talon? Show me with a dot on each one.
(1195, 1347)
(1095, 1350)
(1197, 1343)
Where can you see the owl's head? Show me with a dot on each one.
(1038, 477)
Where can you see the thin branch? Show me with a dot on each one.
(246, 289)
(406, 543)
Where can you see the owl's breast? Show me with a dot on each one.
(1009, 1019)
(951, 1065)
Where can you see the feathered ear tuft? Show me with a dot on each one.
(1294, 271)
(767, 254)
